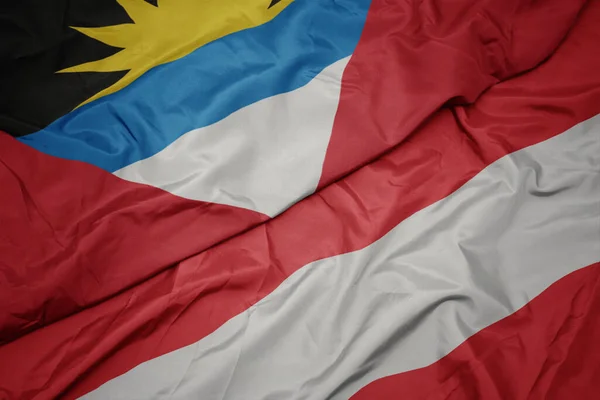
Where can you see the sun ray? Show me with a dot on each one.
(170, 31)
(137, 9)
(121, 36)
(120, 61)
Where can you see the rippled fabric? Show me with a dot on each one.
(409, 298)
(72, 235)
(209, 289)
(546, 350)
(414, 57)
(93, 226)
(206, 85)
(264, 157)
(97, 279)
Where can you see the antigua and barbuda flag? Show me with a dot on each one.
(299, 199)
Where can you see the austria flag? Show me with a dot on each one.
(300, 199)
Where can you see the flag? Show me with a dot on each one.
(300, 199)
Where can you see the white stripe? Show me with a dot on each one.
(263, 157)
(406, 300)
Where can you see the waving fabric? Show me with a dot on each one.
(299, 199)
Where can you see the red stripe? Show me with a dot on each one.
(73, 234)
(549, 349)
(413, 58)
(185, 303)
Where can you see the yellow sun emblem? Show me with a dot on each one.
(169, 31)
